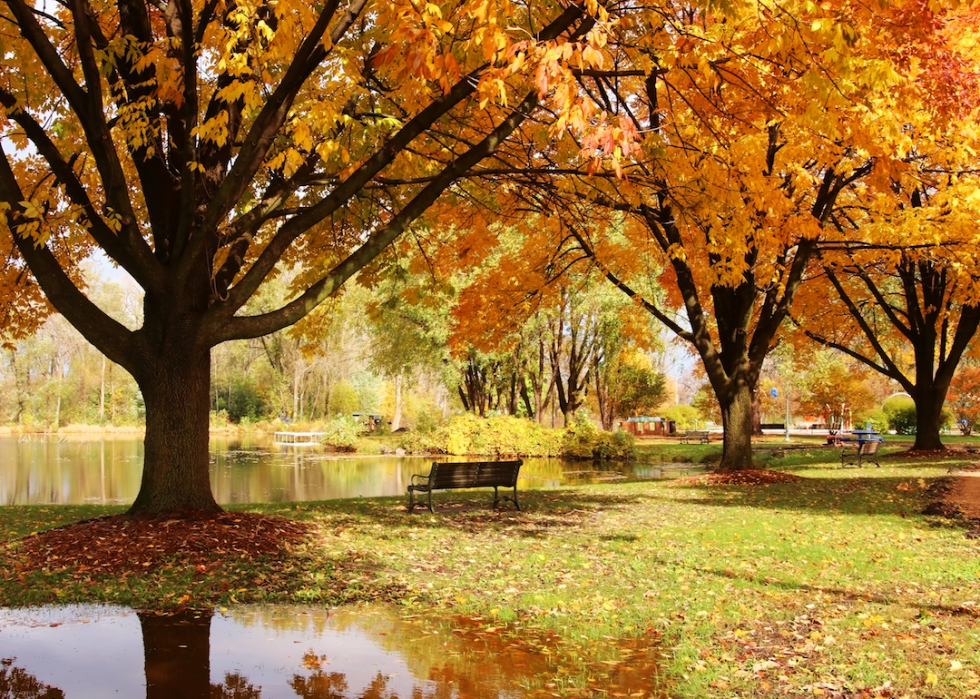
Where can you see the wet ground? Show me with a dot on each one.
(270, 652)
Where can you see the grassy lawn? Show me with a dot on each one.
(829, 586)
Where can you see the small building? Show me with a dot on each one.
(647, 426)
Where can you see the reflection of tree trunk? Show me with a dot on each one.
(177, 652)
(102, 469)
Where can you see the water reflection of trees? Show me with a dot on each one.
(458, 659)
(177, 657)
(18, 683)
(321, 684)
(235, 686)
(47, 470)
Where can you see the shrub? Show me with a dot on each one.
(583, 440)
(506, 435)
(244, 403)
(900, 411)
(428, 420)
(877, 417)
(500, 435)
(218, 420)
(341, 433)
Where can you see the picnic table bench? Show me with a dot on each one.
(701, 436)
(862, 450)
(469, 474)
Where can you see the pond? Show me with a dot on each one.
(83, 469)
(94, 652)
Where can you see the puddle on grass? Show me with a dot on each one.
(271, 652)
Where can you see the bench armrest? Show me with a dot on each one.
(422, 478)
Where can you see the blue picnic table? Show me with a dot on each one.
(862, 436)
(862, 444)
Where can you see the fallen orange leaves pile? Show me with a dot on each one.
(121, 543)
(746, 477)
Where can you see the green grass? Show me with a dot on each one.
(831, 586)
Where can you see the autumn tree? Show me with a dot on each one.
(410, 324)
(200, 144)
(723, 144)
(831, 388)
(903, 268)
(963, 397)
(543, 340)
(911, 320)
(627, 386)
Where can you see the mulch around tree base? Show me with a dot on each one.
(957, 497)
(746, 477)
(122, 543)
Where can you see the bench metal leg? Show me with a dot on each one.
(868, 457)
(498, 498)
(412, 503)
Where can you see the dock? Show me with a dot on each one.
(297, 439)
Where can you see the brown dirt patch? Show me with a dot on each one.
(960, 497)
(122, 543)
(746, 477)
(964, 493)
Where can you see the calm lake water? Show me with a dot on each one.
(90, 652)
(80, 469)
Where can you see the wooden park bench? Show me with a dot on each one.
(701, 436)
(864, 451)
(470, 474)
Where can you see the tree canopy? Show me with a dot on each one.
(722, 149)
(701, 156)
(199, 144)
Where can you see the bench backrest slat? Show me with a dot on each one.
(502, 473)
(473, 474)
(870, 448)
(452, 475)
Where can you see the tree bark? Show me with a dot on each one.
(176, 389)
(736, 416)
(928, 418)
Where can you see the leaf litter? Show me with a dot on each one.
(120, 543)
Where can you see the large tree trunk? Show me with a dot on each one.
(176, 389)
(929, 401)
(736, 416)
